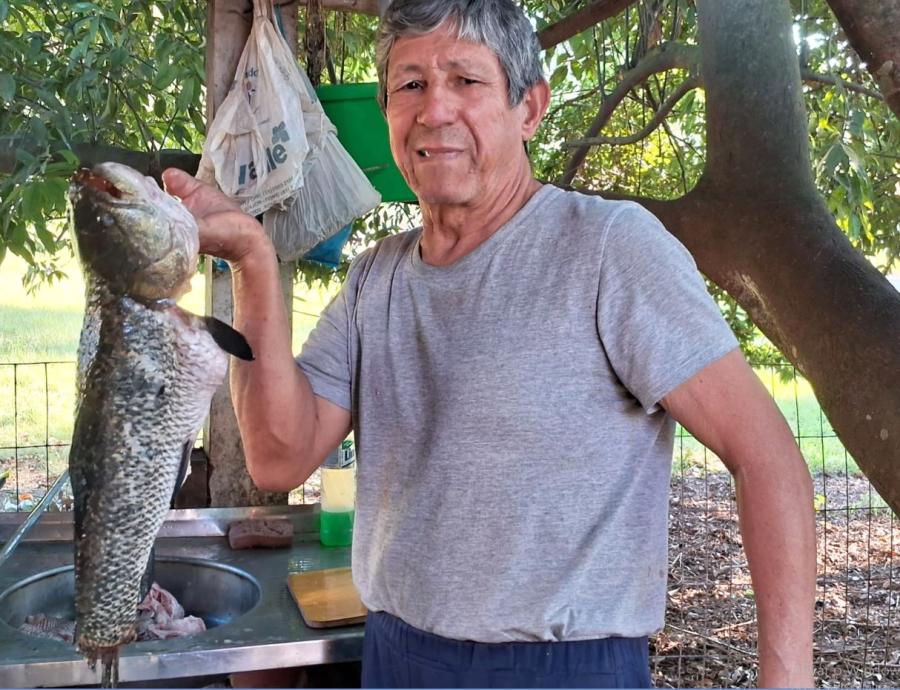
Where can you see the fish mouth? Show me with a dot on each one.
(91, 180)
(100, 189)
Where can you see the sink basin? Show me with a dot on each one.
(215, 592)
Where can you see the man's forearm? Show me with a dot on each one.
(272, 399)
(778, 529)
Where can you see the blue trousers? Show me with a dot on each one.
(397, 655)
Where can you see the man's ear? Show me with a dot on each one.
(535, 102)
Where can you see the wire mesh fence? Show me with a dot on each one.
(35, 430)
(709, 639)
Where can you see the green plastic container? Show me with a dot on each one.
(362, 130)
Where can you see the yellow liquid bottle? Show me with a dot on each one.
(338, 497)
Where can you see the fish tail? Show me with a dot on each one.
(109, 664)
(110, 661)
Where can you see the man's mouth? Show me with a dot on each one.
(436, 152)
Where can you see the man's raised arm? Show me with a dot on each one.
(286, 430)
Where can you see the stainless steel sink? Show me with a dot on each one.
(242, 595)
(215, 592)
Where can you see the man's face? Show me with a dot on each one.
(453, 134)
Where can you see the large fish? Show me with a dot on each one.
(147, 371)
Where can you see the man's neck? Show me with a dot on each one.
(453, 231)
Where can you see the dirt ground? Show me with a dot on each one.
(709, 640)
(710, 636)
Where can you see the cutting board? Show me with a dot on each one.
(327, 598)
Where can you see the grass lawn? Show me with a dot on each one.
(823, 451)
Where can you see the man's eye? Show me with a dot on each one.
(411, 86)
(467, 81)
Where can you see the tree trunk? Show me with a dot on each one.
(873, 27)
(758, 228)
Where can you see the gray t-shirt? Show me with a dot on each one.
(513, 460)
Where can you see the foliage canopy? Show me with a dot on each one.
(130, 74)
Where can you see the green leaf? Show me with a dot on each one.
(855, 158)
(70, 157)
(857, 120)
(22, 251)
(185, 96)
(46, 237)
(4, 10)
(180, 134)
(117, 58)
(854, 230)
(7, 88)
(164, 77)
(25, 157)
(32, 202)
(835, 157)
(559, 75)
(197, 119)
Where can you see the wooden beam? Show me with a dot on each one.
(359, 6)
(575, 23)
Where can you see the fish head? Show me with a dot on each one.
(138, 239)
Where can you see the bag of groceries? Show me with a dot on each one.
(256, 145)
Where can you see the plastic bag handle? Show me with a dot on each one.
(263, 9)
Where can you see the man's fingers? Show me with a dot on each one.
(200, 198)
(179, 183)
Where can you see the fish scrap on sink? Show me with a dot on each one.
(146, 374)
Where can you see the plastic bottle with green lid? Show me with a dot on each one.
(338, 496)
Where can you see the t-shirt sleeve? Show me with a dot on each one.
(658, 323)
(325, 357)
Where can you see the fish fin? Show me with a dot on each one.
(149, 574)
(182, 470)
(228, 339)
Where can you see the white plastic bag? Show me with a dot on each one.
(257, 142)
(335, 190)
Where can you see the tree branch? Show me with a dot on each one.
(664, 57)
(359, 6)
(686, 86)
(810, 76)
(90, 154)
(575, 23)
(872, 27)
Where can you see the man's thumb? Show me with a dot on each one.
(179, 183)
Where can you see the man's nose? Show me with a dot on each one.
(438, 107)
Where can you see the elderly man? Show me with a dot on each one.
(512, 372)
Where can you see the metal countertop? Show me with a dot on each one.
(271, 635)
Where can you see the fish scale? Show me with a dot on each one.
(147, 371)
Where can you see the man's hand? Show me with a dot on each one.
(225, 230)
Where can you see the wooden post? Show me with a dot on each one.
(228, 26)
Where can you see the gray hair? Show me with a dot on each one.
(498, 24)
